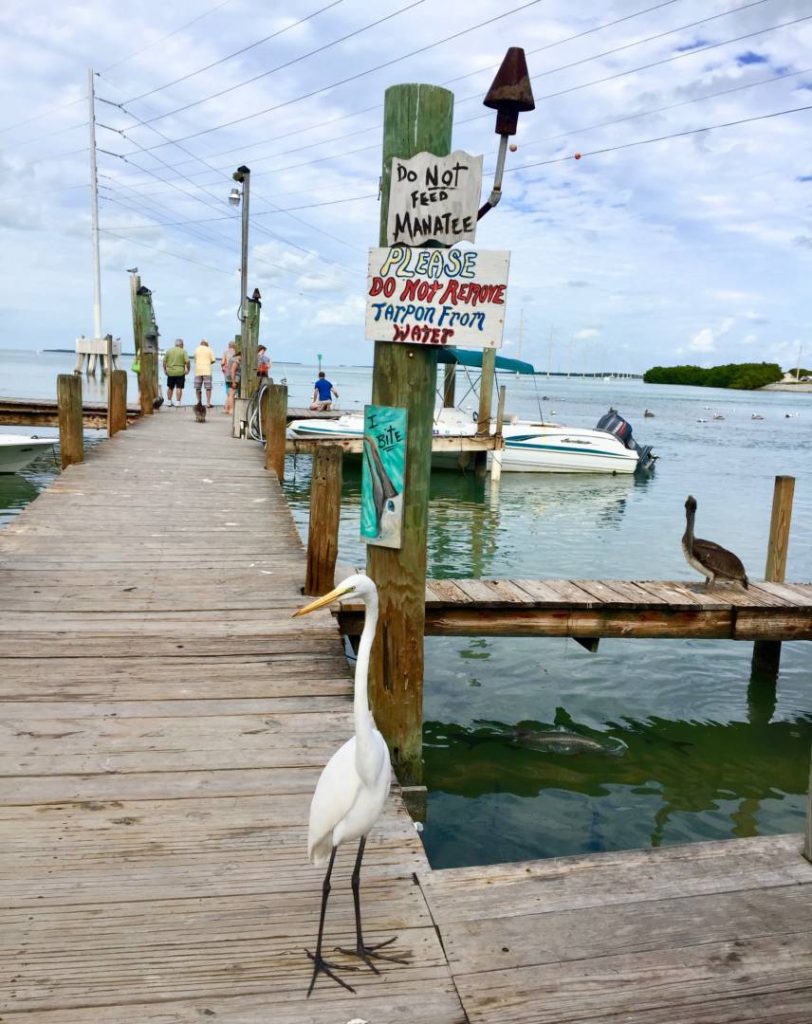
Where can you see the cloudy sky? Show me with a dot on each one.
(676, 237)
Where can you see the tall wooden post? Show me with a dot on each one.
(325, 513)
(274, 427)
(117, 402)
(71, 424)
(146, 382)
(808, 834)
(249, 382)
(767, 653)
(417, 118)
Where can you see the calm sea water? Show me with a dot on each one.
(689, 747)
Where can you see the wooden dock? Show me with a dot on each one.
(43, 412)
(586, 609)
(163, 724)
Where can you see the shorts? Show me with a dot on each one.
(176, 382)
(203, 381)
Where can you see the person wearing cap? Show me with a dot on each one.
(263, 362)
(176, 366)
(204, 358)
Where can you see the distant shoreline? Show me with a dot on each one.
(802, 386)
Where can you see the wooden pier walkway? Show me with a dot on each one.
(163, 724)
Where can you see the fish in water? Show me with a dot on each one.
(552, 741)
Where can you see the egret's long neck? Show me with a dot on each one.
(361, 700)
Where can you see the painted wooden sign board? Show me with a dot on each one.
(434, 199)
(383, 474)
(437, 296)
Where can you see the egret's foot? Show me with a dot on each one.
(322, 966)
(370, 953)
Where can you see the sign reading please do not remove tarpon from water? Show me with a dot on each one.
(437, 296)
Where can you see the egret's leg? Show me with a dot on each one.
(366, 953)
(320, 965)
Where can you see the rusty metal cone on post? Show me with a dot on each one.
(510, 93)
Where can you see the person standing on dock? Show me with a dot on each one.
(323, 393)
(176, 366)
(263, 363)
(204, 360)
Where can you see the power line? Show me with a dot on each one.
(360, 74)
(236, 53)
(289, 63)
(166, 252)
(169, 35)
(660, 138)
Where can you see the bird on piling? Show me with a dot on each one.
(352, 789)
(712, 560)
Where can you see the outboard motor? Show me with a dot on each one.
(613, 423)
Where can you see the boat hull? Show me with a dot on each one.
(529, 448)
(17, 450)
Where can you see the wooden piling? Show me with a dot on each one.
(767, 653)
(249, 382)
(71, 436)
(486, 391)
(808, 833)
(274, 427)
(449, 385)
(325, 513)
(496, 457)
(417, 118)
(146, 383)
(116, 402)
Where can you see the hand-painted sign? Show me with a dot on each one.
(383, 475)
(437, 296)
(434, 198)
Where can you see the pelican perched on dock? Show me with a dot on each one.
(712, 560)
(353, 787)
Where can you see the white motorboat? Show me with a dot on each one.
(530, 446)
(17, 450)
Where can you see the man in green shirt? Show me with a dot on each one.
(176, 366)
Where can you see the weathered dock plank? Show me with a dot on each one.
(163, 725)
(703, 933)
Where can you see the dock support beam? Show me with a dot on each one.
(417, 118)
(71, 435)
(325, 513)
(767, 653)
(274, 427)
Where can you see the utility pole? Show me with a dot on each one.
(248, 346)
(94, 209)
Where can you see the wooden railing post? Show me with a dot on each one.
(71, 434)
(325, 513)
(449, 385)
(274, 427)
(116, 402)
(767, 653)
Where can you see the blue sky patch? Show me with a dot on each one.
(750, 58)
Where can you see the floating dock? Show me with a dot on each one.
(164, 722)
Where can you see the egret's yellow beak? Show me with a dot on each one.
(320, 602)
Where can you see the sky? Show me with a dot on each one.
(678, 236)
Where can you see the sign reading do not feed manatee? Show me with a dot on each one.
(434, 199)
(437, 296)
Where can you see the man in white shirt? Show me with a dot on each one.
(204, 360)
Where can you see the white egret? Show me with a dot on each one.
(353, 787)
(711, 559)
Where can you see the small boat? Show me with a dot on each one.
(530, 446)
(17, 450)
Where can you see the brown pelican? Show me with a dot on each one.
(712, 560)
